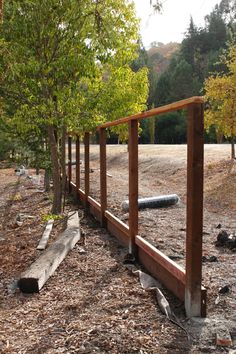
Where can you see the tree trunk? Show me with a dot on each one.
(219, 137)
(1, 10)
(47, 180)
(151, 128)
(63, 160)
(232, 149)
(56, 178)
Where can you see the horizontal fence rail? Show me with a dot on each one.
(185, 284)
(156, 111)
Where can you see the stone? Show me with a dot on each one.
(224, 289)
(222, 238)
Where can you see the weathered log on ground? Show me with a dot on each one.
(44, 239)
(154, 202)
(33, 279)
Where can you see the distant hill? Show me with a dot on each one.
(159, 55)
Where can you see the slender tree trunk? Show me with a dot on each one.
(63, 160)
(57, 194)
(1, 10)
(219, 137)
(48, 172)
(151, 128)
(37, 163)
(47, 180)
(232, 149)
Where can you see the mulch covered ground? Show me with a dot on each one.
(94, 303)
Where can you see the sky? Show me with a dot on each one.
(171, 25)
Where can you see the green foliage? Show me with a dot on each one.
(171, 128)
(47, 217)
(65, 65)
(157, 5)
(142, 59)
(46, 59)
(198, 56)
(5, 142)
(221, 97)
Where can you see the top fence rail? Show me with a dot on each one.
(155, 111)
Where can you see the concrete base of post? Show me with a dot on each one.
(193, 304)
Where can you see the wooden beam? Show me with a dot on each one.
(161, 259)
(133, 184)
(45, 237)
(195, 133)
(77, 159)
(155, 111)
(95, 209)
(169, 273)
(117, 228)
(118, 223)
(39, 272)
(103, 176)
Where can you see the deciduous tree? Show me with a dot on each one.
(55, 57)
(221, 96)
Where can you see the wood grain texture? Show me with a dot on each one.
(103, 175)
(45, 237)
(133, 184)
(33, 279)
(155, 111)
(195, 139)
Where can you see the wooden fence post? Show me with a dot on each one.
(103, 175)
(133, 185)
(193, 300)
(77, 159)
(69, 163)
(86, 165)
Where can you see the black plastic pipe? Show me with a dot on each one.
(154, 202)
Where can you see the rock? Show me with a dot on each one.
(217, 300)
(19, 223)
(81, 250)
(12, 287)
(129, 259)
(18, 217)
(222, 238)
(176, 256)
(209, 259)
(218, 226)
(224, 290)
(21, 171)
(231, 243)
(213, 259)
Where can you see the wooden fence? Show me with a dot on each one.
(185, 284)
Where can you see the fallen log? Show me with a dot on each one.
(33, 279)
(44, 239)
(153, 202)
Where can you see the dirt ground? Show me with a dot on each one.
(93, 303)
